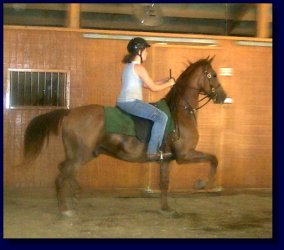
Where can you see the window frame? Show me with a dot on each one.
(67, 89)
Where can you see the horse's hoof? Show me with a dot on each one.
(200, 184)
(170, 213)
(217, 189)
(75, 200)
(68, 213)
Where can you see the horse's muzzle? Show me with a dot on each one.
(219, 95)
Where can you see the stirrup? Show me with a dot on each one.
(166, 155)
(161, 155)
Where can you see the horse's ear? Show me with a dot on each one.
(211, 59)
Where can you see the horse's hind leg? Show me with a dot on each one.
(67, 171)
(75, 186)
(76, 189)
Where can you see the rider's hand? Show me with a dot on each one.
(172, 81)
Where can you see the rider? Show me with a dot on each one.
(134, 77)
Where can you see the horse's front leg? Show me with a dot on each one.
(194, 156)
(164, 186)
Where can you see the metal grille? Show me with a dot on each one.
(38, 88)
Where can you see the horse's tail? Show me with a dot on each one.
(40, 128)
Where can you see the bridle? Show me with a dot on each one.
(211, 95)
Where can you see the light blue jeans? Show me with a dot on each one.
(148, 111)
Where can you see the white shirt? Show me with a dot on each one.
(132, 85)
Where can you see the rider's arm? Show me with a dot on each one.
(148, 82)
(162, 81)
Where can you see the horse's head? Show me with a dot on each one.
(207, 81)
(198, 78)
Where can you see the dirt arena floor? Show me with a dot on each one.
(223, 214)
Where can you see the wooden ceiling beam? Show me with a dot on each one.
(73, 16)
(263, 20)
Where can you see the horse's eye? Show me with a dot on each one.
(215, 75)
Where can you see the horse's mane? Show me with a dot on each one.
(175, 94)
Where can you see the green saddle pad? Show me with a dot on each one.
(119, 122)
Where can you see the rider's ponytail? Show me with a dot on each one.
(128, 58)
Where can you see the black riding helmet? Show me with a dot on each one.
(137, 44)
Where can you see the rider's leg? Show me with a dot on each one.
(148, 111)
(157, 134)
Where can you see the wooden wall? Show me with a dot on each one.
(240, 134)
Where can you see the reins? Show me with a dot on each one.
(190, 110)
(210, 95)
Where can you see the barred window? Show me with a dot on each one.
(38, 88)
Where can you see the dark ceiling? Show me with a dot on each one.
(211, 19)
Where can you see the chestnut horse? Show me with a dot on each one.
(84, 136)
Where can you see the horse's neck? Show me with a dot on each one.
(191, 97)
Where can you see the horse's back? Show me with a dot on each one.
(84, 130)
(83, 114)
(86, 122)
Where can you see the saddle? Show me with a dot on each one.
(119, 122)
